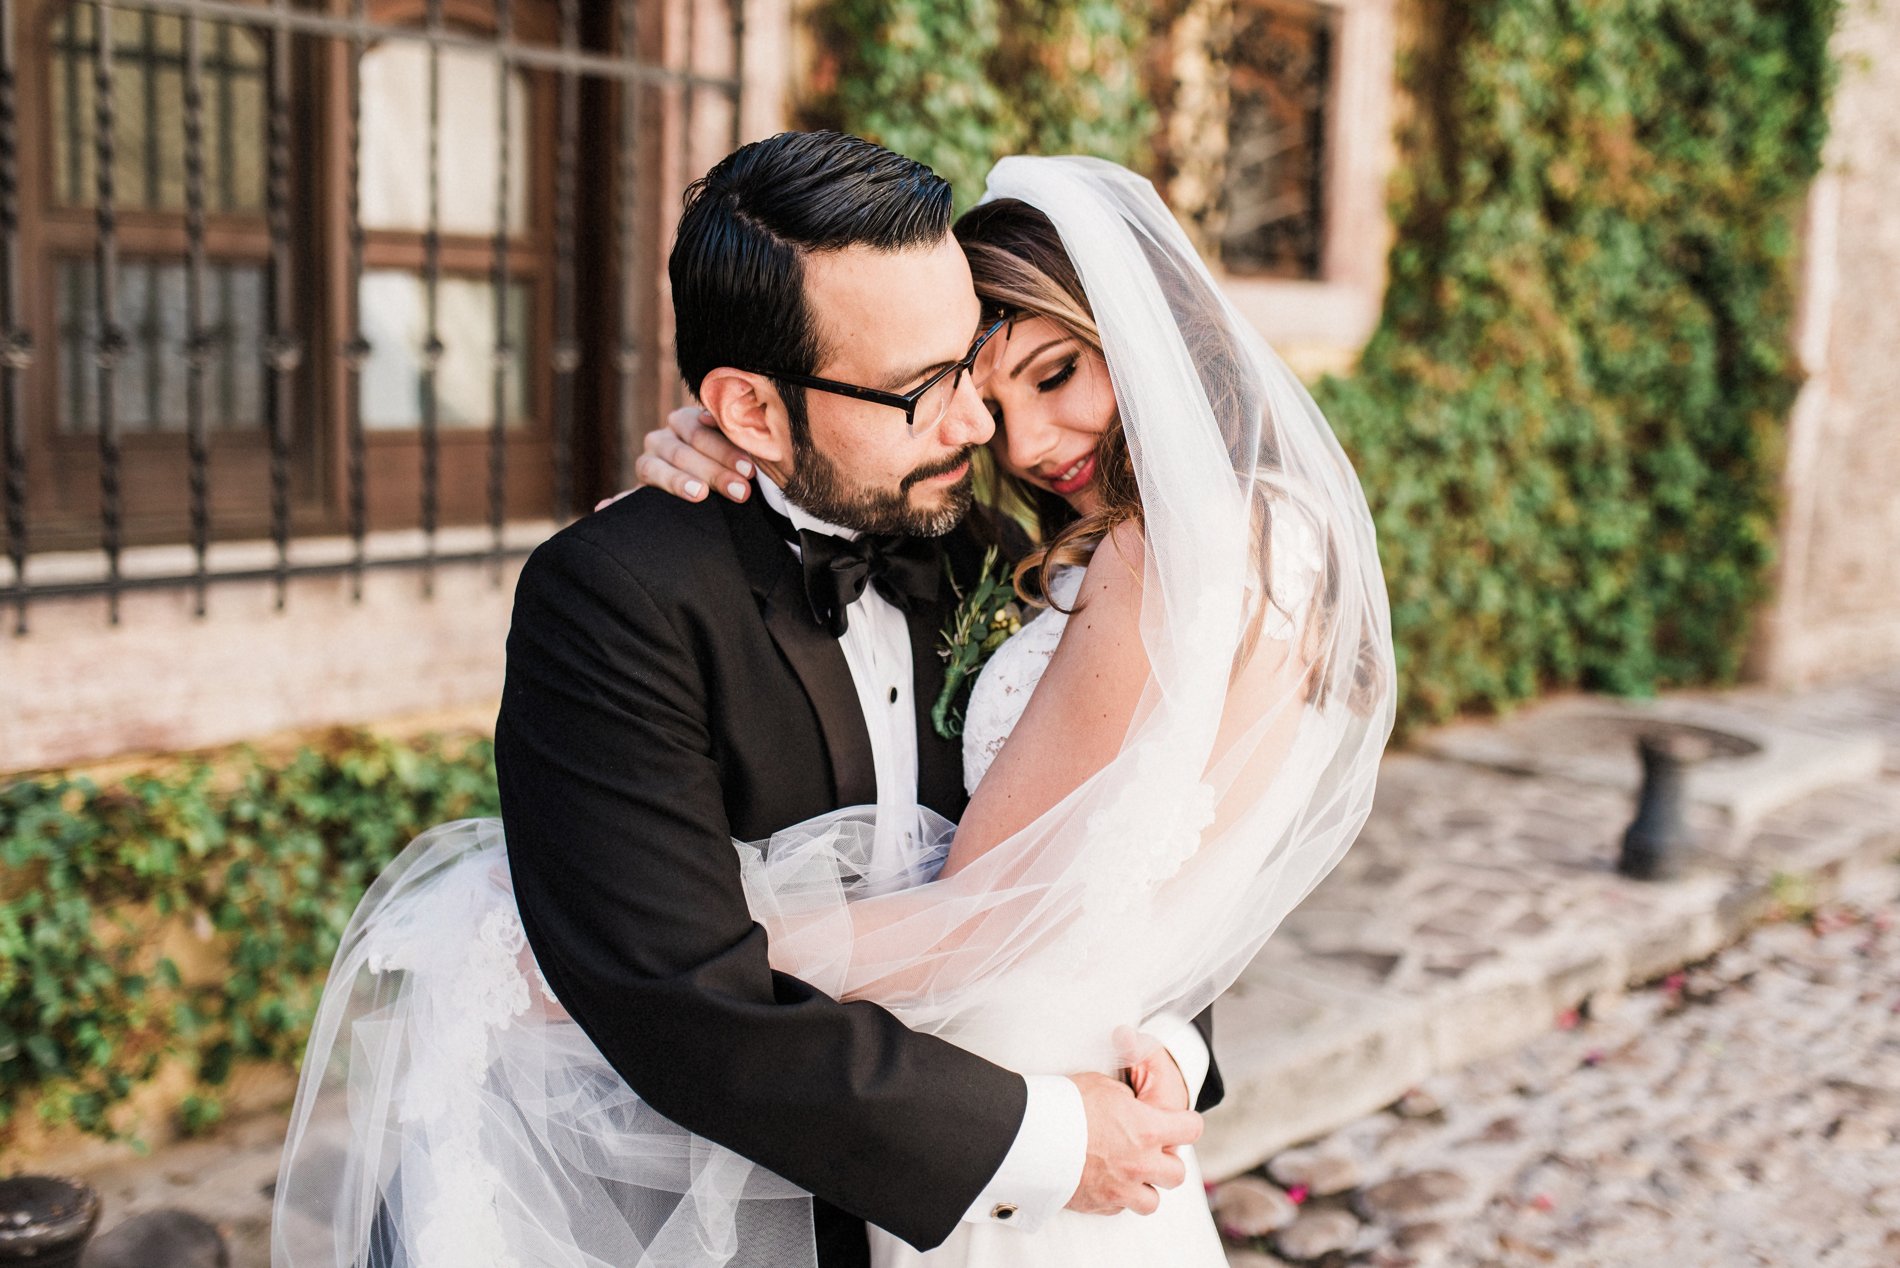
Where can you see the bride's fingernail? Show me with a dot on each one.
(744, 468)
(736, 489)
(694, 488)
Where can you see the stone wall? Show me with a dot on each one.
(78, 689)
(1837, 609)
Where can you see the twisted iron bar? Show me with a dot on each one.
(432, 278)
(282, 352)
(198, 340)
(112, 343)
(504, 351)
(627, 356)
(567, 353)
(16, 346)
(356, 349)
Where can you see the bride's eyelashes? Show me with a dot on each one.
(1061, 376)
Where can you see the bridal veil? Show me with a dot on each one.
(450, 1115)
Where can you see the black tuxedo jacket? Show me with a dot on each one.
(668, 690)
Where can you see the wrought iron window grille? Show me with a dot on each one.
(133, 355)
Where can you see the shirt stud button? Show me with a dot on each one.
(1002, 1211)
(893, 695)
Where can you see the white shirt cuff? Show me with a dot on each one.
(1044, 1164)
(1185, 1045)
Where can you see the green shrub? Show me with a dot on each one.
(264, 863)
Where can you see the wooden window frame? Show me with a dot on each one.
(393, 458)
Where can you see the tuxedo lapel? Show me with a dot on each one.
(778, 583)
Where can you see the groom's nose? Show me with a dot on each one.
(967, 422)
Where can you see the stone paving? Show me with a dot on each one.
(1741, 1113)
(1478, 905)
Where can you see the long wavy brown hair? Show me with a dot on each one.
(1021, 272)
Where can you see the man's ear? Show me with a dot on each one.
(748, 410)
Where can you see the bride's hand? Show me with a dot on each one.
(1158, 1081)
(689, 455)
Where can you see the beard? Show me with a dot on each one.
(820, 489)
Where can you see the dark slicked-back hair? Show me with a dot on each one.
(737, 265)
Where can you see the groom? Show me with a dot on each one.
(683, 674)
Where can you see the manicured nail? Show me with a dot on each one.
(694, 488)
(744, 468)
(736, 489)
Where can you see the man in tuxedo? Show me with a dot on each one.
(683, 673)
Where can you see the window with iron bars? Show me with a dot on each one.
(1279, 78)
(283, 272)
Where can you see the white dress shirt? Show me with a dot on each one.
(1044, 1164)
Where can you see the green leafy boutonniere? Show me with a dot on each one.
(985, 616)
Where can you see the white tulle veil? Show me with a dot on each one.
(452, 1114)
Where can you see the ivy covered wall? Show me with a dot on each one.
(1569, 419)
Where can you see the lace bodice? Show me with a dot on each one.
(1002, 690)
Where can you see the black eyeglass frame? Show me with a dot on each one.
(906, 401)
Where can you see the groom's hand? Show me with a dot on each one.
(1131, 1149)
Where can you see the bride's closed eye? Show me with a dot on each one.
(1061, 376)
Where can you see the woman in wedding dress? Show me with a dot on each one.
(1163, 762)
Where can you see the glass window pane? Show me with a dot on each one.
(148, 97)
(1280, 68)
(395, 141)
(150, 379)
(394, 318)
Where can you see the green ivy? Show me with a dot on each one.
(958, 84)
(1568, 422)
(264, 862)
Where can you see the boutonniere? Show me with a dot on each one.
(985, 616)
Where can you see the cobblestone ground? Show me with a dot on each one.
(1741, 1113)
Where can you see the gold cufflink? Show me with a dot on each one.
(1002, 1211)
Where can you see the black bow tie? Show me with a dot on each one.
(905, 570)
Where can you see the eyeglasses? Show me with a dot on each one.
(924, 407)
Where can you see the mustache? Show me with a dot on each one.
(930, 471)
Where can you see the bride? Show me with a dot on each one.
(1163, 763)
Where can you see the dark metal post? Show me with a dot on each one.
(567, 349)
(111, 345)
(1660, 841)
(198, 340)
(284, 351)
(504, 350)
(47, 1220)
(16, 345)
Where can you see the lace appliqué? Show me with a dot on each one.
(484, 992)
(1003, 689)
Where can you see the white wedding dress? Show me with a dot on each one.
(1034, 1040)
